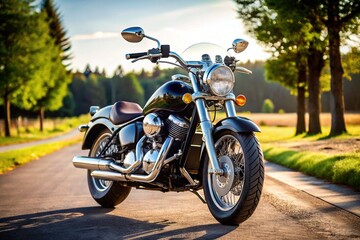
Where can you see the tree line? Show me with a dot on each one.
(92, 87)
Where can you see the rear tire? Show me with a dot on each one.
(107, 193)
(233, 197)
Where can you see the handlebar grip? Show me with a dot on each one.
(135, 55)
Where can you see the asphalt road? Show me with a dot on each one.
(49, 199)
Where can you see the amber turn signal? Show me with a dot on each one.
(240, 100)
(187, 98)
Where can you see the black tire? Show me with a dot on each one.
(232, 200)
(107, 193)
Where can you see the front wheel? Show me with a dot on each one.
(233, 197)
(106, 193)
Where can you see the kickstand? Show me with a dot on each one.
(198, 195)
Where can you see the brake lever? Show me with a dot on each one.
(243, 70)
(141, 58)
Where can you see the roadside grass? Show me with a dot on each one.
(338, 168)
(342, 168)
(32, 134)
(11, 159)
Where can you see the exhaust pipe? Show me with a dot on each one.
(103, 164)
(101, 167)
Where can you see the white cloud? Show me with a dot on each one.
(96, 35)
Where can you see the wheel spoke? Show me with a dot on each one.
(228, 146)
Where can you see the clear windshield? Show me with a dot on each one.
(195, 52)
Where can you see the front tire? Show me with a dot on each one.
(107, 193)
(233, 197)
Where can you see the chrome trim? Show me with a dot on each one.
(230, 108)
(207, 96)
(205, 124)
(103, 164)
(207, 129)
(93, 110)
(115, 176)
(83, 128)
(180, 77)
(243, 70)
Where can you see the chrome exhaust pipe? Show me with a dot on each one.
(103, 164)
(115, 176)
(91, 163)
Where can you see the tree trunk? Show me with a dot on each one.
(41, 115)
(7, 116)
(315, 65)
(301, 108)
(337, 106)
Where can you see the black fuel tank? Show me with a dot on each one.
(168, 98)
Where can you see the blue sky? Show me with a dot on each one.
(94, 28)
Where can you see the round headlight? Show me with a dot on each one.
(220, 79)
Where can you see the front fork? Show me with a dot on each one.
(207, 126)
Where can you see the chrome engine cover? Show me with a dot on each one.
(149, 160)
(152, 125)
(129, 159)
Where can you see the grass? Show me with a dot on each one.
(342, 168)
(11, 159)
(29, 134)
(338, 168)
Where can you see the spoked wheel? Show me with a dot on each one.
(233, 196)
(106, 193)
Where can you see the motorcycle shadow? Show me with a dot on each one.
(97, 223)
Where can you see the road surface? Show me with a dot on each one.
(49, 199)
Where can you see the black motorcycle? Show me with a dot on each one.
(172, 144)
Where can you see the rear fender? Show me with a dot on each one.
(94, 129)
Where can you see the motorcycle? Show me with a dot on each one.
(172, 144)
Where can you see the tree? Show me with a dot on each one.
(288, 31)
(57, 84)
(339, 16)
(289, 73)
(24, 56)
(268, 106)
(57, 31)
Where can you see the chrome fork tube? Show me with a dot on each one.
(230, 107)
(206, 127)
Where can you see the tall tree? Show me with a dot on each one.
(339, 17)
(288, 30)
(24, 56)
(57, 83)
(57, 31)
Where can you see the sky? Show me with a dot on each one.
(94, 28)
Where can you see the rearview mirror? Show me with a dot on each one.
(239, 45)
(133, 34)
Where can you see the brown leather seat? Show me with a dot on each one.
(123, 111)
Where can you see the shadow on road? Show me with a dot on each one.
(98, 223)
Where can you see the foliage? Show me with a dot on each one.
(268, 106)
(25, 55)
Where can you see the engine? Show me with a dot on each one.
(156, 130)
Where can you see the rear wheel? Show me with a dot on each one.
(233, 197)
(106, 193)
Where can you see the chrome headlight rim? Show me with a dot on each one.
(226, 85)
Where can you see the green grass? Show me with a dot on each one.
(338, 168)
(11, 159)
(343, 168)
(32, 134)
